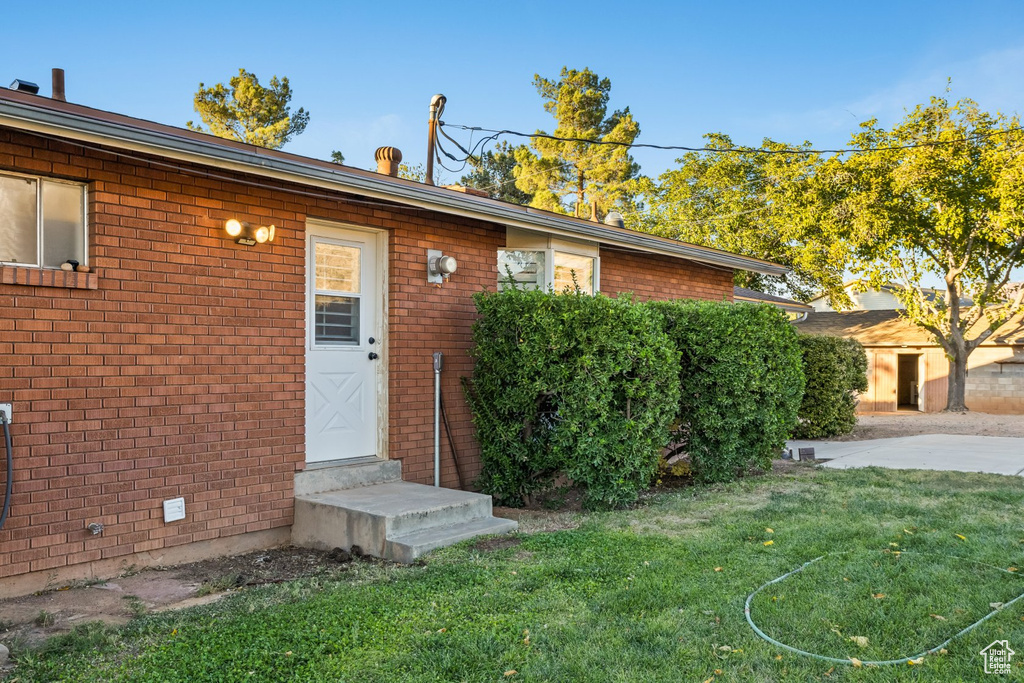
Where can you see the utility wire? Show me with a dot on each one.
(731, 150)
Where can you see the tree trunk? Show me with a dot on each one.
(955, 395)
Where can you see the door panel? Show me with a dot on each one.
(342, 363)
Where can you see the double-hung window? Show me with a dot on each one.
(42, 221)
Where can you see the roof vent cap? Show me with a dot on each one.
(614, 219)
(388, 159)
(25, 86)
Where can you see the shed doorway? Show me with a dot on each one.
(908, 385)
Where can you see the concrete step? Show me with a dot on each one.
(372, 516)
(410, 546)
(346, 474)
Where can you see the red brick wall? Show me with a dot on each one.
(650, 276)
(144, 388)
(425, 318)
(176, 369)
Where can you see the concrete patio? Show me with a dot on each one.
(959, 453)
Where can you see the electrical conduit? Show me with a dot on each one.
(10, 469)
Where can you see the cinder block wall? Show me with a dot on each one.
(994, 387)
(176, 368)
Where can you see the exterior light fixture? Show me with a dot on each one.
(247, 234)
(439, 266)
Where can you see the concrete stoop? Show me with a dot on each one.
(367, 504)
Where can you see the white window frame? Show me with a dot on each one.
(311, 274)
(39, 218)
(549, 266)
(596, 284)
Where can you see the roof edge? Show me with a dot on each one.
(47, 118)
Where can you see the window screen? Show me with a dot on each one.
(337, 319)
(19, 221)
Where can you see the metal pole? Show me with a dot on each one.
(438, 362)
(436, 104)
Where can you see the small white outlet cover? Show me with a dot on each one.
(174, 509)
(5, 408)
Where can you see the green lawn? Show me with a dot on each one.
(653, 594)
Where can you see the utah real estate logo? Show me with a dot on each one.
(997, 657)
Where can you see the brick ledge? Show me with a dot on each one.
(47, 277)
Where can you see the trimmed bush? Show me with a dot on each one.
(570, 386)
(836, 370)
(740, 382)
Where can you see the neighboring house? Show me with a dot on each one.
(867, 299)
(793, 309)
(908, 370)
(235, 375)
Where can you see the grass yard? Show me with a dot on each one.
(652, 594)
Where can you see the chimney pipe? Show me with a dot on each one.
(58, 85)
(388, 159)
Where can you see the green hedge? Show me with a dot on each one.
(836, 370)
(570, 386)
(741, 383)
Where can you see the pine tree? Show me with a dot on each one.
(577, 176)
(246, 111)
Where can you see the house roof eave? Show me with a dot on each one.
(81, 124)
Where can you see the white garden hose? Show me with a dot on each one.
(886, 662)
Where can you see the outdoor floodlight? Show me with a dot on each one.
(247, 234)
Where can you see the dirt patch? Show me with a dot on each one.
(909, 423)
(34, 618)
(497, 543)
(789, 468)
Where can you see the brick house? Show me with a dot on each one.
(187, 365)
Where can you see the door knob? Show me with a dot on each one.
(372, 356)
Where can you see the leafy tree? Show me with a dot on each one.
(570, 176)
(941, 194)
(417, 172)
(337, 157)
(836, 370)
(494, 172)
(246, 111)
(760, 205)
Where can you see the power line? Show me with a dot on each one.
(729, 150)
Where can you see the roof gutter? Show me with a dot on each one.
(90, 129)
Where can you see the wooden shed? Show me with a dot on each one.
(908, 370)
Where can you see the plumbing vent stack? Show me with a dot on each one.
(388, 159)
(58, 85)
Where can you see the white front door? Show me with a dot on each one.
(344, 343)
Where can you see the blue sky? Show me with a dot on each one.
(366, 71)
